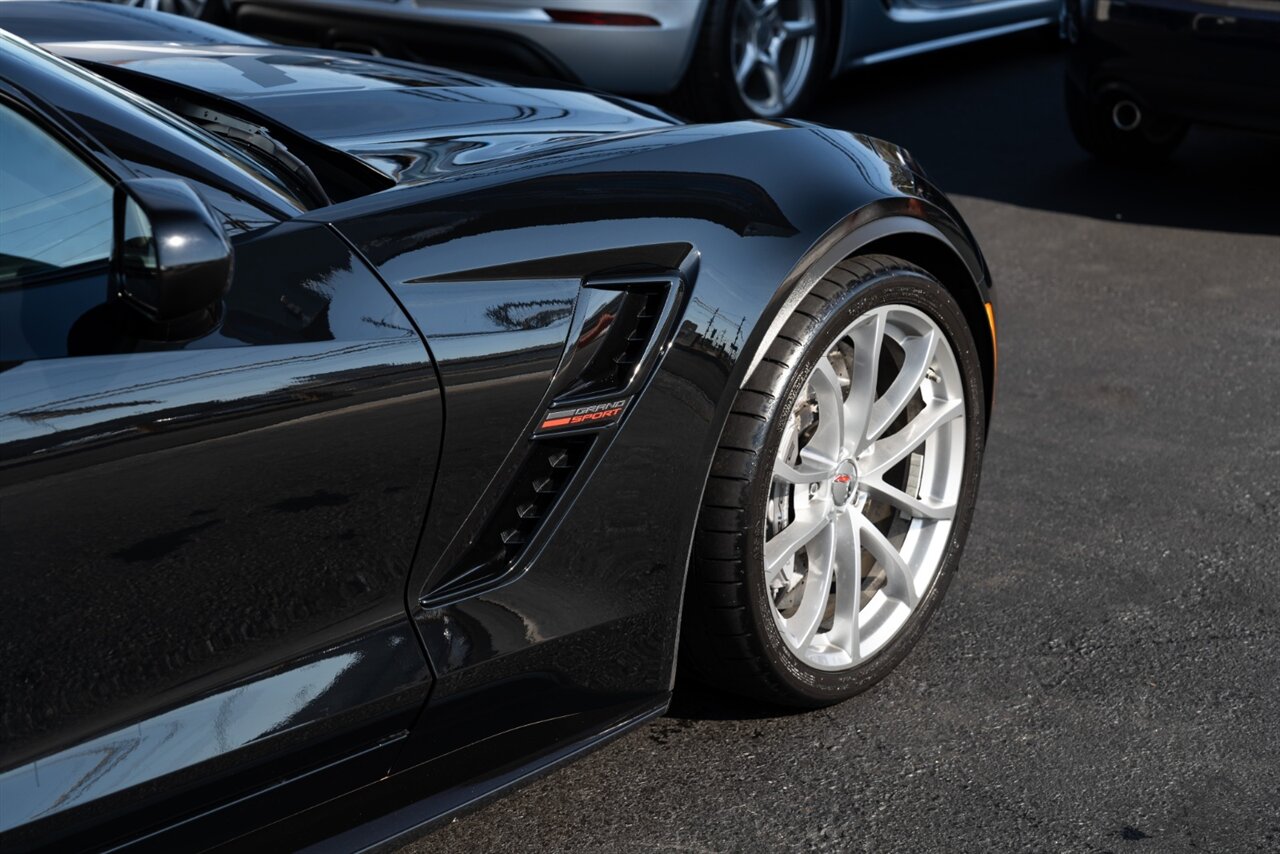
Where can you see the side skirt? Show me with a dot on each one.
(399, 808)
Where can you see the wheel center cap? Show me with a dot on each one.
(844, 484)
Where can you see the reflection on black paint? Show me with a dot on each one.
(180, 517)
(529, 314)
(256, 717)
(291, 443)
(735, 203)
(294, 283)
(161, 545)
(496, 344)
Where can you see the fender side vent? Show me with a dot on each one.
(541, 479)
(618, 327)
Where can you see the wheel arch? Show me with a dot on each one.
(923, 233)
(912, 238)
(836, 11)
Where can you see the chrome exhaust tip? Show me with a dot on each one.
(1126, 115)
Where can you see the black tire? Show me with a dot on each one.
(729, 638)
(708, 91)
(213, 11)
(1155, 137)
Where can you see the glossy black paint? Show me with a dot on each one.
(410, 123)
(177, 264)
(592, 619)
(207, 536)
(1212, 61)
(270, 480)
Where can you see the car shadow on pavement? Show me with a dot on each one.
(987, 120)
(692, 701)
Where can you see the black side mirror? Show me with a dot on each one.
(172, 262)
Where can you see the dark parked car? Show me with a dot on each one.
(1140, 71)
(374, 436)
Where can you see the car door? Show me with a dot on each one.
(205, 542)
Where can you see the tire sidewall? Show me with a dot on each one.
(905, 287)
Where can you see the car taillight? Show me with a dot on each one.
(601, 19)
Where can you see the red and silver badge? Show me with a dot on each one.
(579, 417)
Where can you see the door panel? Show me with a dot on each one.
(206, 544)
(876, 32)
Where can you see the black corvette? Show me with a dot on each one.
(374, 436)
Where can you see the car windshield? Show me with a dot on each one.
(253, 168)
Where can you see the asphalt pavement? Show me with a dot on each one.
(1105, 672)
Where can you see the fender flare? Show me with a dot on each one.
(844, 239)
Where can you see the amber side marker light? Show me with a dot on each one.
(601, 19)
(995, 351)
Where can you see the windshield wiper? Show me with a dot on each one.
(255, 140)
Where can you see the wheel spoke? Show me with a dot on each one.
(802, 475)
(889, 451)
(799, 29)
(809, 522)
(828, 438)
(845, 628)
(900, 583)
(772, 81)
(868, 340)
(917, 507)
(804, 623)
(915, 367)
(746, 65)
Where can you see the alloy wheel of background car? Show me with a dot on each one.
(772, 49)
(757, 59)
(842, 490)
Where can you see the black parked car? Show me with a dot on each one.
(1140, 71)
(372, 435)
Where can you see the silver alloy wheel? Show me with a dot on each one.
(865, 486)
(773, 46)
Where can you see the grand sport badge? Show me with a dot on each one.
(578, 417)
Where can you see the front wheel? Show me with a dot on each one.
(757, 59)
(841, 492)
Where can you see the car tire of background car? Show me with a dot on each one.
(733, 627)
(1113, 126)
(757, 59)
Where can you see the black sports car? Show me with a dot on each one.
(1139, 71)
(375, 436)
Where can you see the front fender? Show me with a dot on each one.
(490, 266)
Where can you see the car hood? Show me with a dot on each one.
(407, 121)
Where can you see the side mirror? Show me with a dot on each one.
(171, 261)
